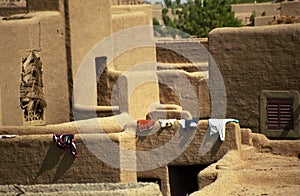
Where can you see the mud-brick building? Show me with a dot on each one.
(60, 33)
(45, 50)
(260, 67)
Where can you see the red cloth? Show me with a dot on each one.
(145, 125)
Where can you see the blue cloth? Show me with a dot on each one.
(185, 124)
(65, 141)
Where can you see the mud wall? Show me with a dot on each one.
(129, 18)
(182, 51)
(35, 159)
(44, 5)
(189, 90)
(7, 11)
(108, 189)
(290, 8)
(89, 23)
(259, 8)
(190, 155)
(45, 32)
(188, 59)
(252, 60)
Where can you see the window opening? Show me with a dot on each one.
(280, 113)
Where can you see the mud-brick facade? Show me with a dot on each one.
(259, 65)
(61, 33)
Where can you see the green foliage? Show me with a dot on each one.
(155, 21)
(249, 1)
(198, 20)
(252, 17)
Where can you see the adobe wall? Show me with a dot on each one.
(107, 189)
(44, 5)
(252, 60)
(7, 11)
(181, 51)
(189, 90)
(191, 155)
(290, 8)
(160, 173)
(258, 8)
(130, 25)
(183, 58)
(128, 9)
(157, 12)
(263, 20)
(126, 2)
(245, 10)
(88, 24)
(287, 8)
(35, 159)
(44, 31)
(128, 18)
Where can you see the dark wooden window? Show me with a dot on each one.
(280, 114)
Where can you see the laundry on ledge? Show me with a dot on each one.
(144, 125)
(189, 123)
(65, 141)
(164, 123)
(219, 126)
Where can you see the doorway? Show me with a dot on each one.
(183, 179)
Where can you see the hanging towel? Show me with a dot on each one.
(219, 126)
(164, 123)
(144, 125)
(214, 126)
(65, 141)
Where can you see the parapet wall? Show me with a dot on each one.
(35, 159)
(191, 155)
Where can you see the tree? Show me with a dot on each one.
(251, 1)
(199, 17)
(155, 21)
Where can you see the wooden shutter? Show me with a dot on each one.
(280, 114)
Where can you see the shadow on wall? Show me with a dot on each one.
(210, 143)
(55, 158)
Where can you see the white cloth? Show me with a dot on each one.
(182, 123)
(8, 136)
(219, 126)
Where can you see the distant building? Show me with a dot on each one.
(126, 2)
